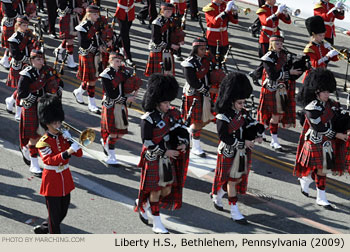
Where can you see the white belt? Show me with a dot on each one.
(126, 8)
(217, 29)
(58, 169)
(328, 23)
(269, 28)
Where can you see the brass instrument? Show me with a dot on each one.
(290, 11)
(344, 7)
(246, 11)
(86, 137)
(343, 53)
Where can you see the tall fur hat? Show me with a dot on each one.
(159, 88)
(315, 25)
(318, 80)
(50, 110)
(234, 86)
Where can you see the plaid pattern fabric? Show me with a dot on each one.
(6, 34)
(267, 106)
(65, 27)
(341, 150)
(309, 156)
(197, 110)
(87, 71)
(153, 63)
(347, 155)
(174, 199)
(222, 174)
(320, 182)
(289, 117)
(28, 125)
(13, 78)
(108, 123)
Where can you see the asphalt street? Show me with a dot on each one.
(103, 200)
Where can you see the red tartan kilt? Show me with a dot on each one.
(197, 110)
(267, 106)
(29, 124)
(341, 155)
(347, 155)
(153, 64)
(6, 34)
(87, 71)
(65, 28)
(311, 158)
(108, 123)
(222, 174)
(13, 78)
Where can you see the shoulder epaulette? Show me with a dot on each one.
(314, 105)
(147, 116)
(308, 49)
(25, 71)
(105, 74)
(260, 10)
(208, 7)
(318, 5)
(41, 143)
(222, 117)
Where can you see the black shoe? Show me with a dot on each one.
(329, 207)
(142, 21)
(145, 221)
(254, 78)
(53, 36)
(26, 161)
(37, 174)
(304, 193)
(39, 230)
(242, 221)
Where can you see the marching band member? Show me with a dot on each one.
(89, 44)
(274, 100)
(158, 176)
(149, 10)
(315, 154)
(68, 11)
(125, 14)
(217, 15)
(11, 9)
(320, 53)
(160, 45)
(114, 119)
(110, 45)
(329, 12)
(196, 72)
(269, 16)
(52, 14)
(20, 45)
(55, 150)
(237, 133)
(32, 85)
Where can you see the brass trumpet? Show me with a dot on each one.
(343, 53)
(290, 11)
(86, 137)
(246, 11)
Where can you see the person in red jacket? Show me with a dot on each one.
(320, 52)
(217, 15)
(125, 14)
(269, 16)
(329, 12)
(55, 149)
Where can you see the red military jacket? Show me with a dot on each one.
(125, 10)
(56, 180)
(180, 6)
(322, 9)
(217, 23)
(316, 52)
(269, 24)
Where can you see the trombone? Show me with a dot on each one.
(86, 137)
(290, 11)
(343, 53)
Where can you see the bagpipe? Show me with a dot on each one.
(253, 128)
(295, 61)
(177, 36)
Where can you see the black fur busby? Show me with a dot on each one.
(159, 88)
(318, 80)
(315, 25)
(234, 86)
(50, 110)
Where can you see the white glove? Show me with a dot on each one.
(339, 5)
(229, 6)
(281, 8)
(327, 45)
(75, 146)
(66, 135)
(332, 53)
